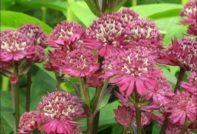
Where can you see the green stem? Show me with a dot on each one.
(138, 114)
(126, 130)
(28, 90)
(15, 91)
(184, 129)
(84, 92)
(134, 3)
(44, 10)
(179, 79)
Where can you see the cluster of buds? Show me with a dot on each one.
(55, 114)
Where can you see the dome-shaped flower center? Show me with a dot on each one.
(108, 30)
(14, 42)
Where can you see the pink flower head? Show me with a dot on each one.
(127, 16)
(55, 60)
(106, 35)
(35, 34)
(61, 105)
(182, 53)
(65, 34)
(183, 106)
(144, 31)
(29, 122)
(190, 13)
(191, 86)
(175, 129)
(13, 46)
(161, 93)
(59, 108)
(80, 62)
(124, 115)
(77, 130)
(132, 69)
(36, 54)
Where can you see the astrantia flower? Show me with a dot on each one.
(29, 122)
(80, 62)
(59, 109)
(124, 115)
(161, 93)
(95, 80)
(13, 46)
(35, 34)
(127, 16)
(65, 34)
(175, 129)
(55, 60)
(182, 107)
(190, 13)
(191, 86)
(182, 53)
(106, 35)
(144, 31)
(132, 69)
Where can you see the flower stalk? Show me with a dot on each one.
(138, 114)
(28, 90)
(15, 97)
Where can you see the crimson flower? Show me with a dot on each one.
(35, 34)
(191, 86)
(59, 109)
(106, 35)
(144, 31)
(190, 13)
(29, 122)
(65, 34)
(131, 69)
(14, 46)
(80, 63)
(181, 53)
(182, 107)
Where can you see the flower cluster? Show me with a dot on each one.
(190, 13)
(56, 113)
(181, 53)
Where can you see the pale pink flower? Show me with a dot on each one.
(80, 63)
(182, 107)
(131, 69)
(14, 46)
(181, 53)
(124, 115)
(162, 93)
(29, 122)
(191, 86)
(59, 109)
(65, 34)
(35, 34)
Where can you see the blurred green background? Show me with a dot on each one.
(47, 14)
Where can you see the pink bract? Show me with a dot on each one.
(131, 70)
(181, 53)
(80, 63)
(191, 86)
(182, 107)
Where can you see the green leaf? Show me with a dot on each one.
(42, 84)
(156, 128)
(157, 9)
(82, 12)
(15, 19)
(116, 129)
